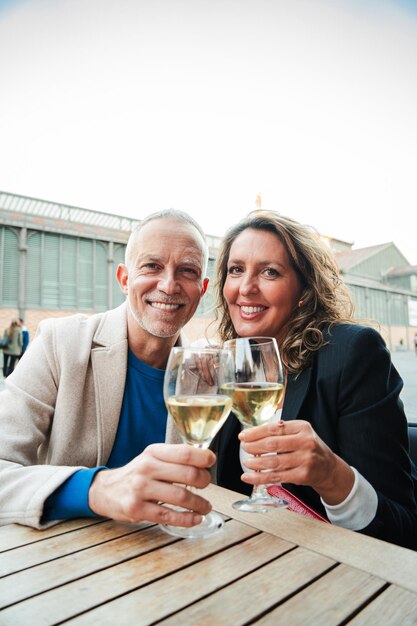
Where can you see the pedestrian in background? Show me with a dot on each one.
(25, 336)
(13, 350)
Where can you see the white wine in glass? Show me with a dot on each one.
(256, 392)
(193, 381)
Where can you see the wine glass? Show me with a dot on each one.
(193, 381)
(256, 391)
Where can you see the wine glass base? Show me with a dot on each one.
(210, 525)
(259, 505)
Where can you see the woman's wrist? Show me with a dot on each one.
(338, 483)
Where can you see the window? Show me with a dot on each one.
(378, 306)
(33, 269)
(100, 276)
(65, 272)
(68, 282)
(9, 267)
(119, 257)
(360, 301)
(85, 274)
(50, 283)
(206, 306)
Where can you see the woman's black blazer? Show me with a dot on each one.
(350, 396)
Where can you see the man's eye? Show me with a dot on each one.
(190, 270)
(151, 266)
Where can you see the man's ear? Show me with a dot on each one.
(205, 285)
(122, 276)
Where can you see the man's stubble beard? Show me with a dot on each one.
(150, 327)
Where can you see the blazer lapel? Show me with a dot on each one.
(109, 371)
(295, 394)
(109, 365)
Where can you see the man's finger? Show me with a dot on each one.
(182, 453)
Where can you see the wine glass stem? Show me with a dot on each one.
(259, 491)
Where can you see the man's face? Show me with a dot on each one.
(164, 281)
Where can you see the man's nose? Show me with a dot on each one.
(168, 283)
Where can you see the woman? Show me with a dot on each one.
(343, 447)
(12, 351)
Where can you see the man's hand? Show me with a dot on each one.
(139, 490)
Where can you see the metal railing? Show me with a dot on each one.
(55, 210)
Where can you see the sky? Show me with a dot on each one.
(132, 106)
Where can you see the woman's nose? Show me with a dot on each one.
(248, 284)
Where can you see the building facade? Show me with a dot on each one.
(57, 259)
(384, 289)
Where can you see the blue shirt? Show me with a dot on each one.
(142, 421)
(25, 339)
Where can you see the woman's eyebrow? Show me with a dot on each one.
(273, 262)
(263, 263)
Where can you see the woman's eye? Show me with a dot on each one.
(271, 272)
(234, 269)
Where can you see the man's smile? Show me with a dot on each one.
(165, 306)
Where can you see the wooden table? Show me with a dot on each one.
(274, 568)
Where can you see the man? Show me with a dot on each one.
(88, 397)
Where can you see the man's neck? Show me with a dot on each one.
(153, 351)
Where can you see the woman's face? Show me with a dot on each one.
(262, 289)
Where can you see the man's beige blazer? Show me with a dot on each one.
(60, 409)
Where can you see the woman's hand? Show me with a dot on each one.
(292, 452)
(139, 490)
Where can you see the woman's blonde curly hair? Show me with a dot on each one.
(325, 299)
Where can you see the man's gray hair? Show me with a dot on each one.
(175, 214)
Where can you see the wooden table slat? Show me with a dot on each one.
(42, 577)
(164, 596)
(386, 560)
(393, 606)
(58, 546)
(14, 535)
(330, 600)
(249, 596)
(89, 591)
